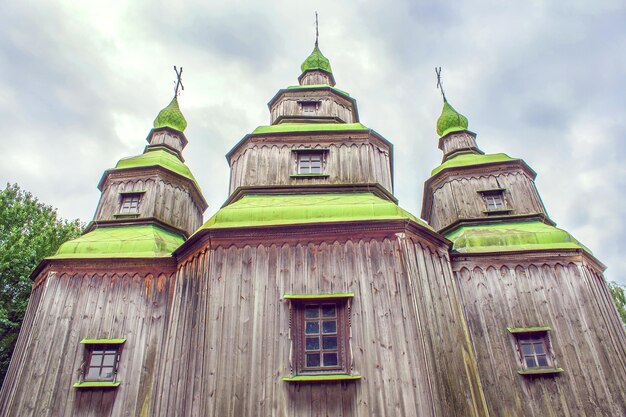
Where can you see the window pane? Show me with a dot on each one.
(527, 349)
(96, 360)
(312, 343)
(107, 373)
(542, 360)
(530, 361)
(312, 359)
(311, 312)
(330, 359)
(330, 326)
(328, 311)
(92, 374)
(329, 342)
(109, 360)
(539, 349)
(312, 327)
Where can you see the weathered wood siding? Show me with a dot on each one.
(331, 105)
(456, 141)
(457, 197)
(62, 311)
(228, 342)
(167, 138)
(263, 164)
(315, 78)
(587, 337)
(163, 199)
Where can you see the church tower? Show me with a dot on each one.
(546, 335)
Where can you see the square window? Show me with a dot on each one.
(309, 107)
(130, 203)
(320, 335)
(534, 350)
(101, 363)
(310, 162)
(494, 201)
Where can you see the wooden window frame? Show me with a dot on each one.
(130, 197)
(300, 306)
(526, 342)
(100, 350)
(309, 106)
(492, 197)
(300, 158)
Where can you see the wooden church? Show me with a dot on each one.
(311, 292)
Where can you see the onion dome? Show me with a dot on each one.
(171, 116)
(450, 120)
(316, 61)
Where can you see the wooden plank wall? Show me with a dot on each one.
(165, 200)
(347, 163)
(67, 308)
(457, 197)
(587, 337)
(329, 107)
(228, 339)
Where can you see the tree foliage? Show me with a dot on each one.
(29, 231)
(618, 292)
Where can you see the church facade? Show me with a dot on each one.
(311, 292)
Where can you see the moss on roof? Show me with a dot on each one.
(513, 236)
(307, 127)
(140, 241)
(450, 120)
(468, 159)
(299, 87)
(171, 116)
(272, 210)
(158, 157)
(316, 61)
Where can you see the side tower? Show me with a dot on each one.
(94, 327)
(547, 337)
(311, 292)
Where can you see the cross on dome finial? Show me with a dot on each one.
(317, 30)
(179, 81)
(439, 84)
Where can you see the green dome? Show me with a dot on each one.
(316, 61)
(450, 120)
(171, 116)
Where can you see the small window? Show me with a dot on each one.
(310, 162)
(100, 365)
(494, 201)
(102, 362)
(320, 333)
(534, 351)
(130, 203)
(309, 107)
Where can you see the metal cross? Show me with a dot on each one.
(317, 31)
(439, 84)
(179, 82)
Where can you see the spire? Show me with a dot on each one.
(316, 61)
(171, 116)
(450, 120)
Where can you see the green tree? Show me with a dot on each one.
(618, 292)
(29, 231)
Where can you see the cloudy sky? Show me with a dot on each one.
(81, 83)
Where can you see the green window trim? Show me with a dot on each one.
(316, 296)
(97, 384)
(491, 190)
(541, 371)
(133, 192)
(309, 175)
(325, 377)
(529, 329)
(103, 341)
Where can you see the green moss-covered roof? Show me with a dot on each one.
(307, 127)
(450, 120)
(316, 61)
(271, 210)
(513, 236)
(158, 157)
(171, 116)
(468, 159)
(140, 241)
(300, 87)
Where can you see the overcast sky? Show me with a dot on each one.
(81, 83)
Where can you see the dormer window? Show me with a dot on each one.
(310, 162)
(495, 204)
(309, 107)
